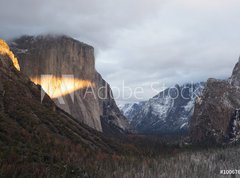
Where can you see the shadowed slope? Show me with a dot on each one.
(39, 136)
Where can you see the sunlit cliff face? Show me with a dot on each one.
(54, 86)
(5, 50)
(59, 86)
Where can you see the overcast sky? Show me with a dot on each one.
(139, 41)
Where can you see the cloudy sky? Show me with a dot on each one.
(139, 43)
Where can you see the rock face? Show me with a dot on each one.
(59, 57)
(216, 114)
(39, 133)
(235, 78)
(27, 121)
(166, 113)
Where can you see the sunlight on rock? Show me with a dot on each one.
(5, 50)
(60, 86)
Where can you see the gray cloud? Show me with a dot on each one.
(140, 42)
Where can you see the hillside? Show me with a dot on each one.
(38, 136)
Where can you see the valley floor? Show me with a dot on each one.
(139, 158)
(205, 163)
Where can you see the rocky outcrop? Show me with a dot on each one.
(25, 120)
(215, 116)
(41, 134)
(166, 113)
(61, 56)
(235, 78)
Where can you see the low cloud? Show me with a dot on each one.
(139, 42)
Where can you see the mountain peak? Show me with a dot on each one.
(213, 118)
(69, 63)
(168, 112)
(60, 38)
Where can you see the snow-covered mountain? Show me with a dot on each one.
(167, 112)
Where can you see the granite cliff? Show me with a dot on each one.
(37, 138)
(86, 96)
(216, 114)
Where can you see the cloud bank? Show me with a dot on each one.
(139, 42)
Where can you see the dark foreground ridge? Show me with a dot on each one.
(37, 136)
